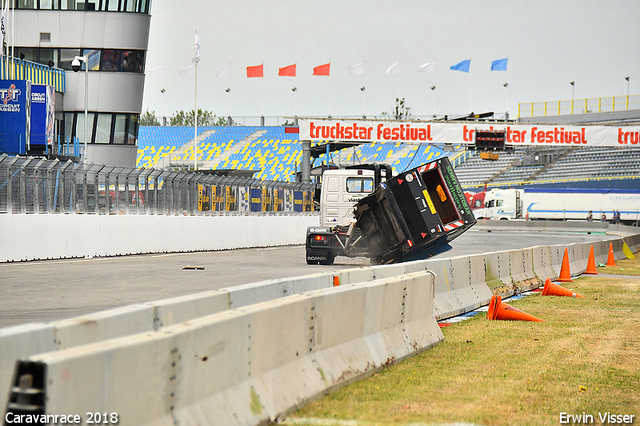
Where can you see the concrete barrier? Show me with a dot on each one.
(542, 263)
(497, 273)
(465, 286)
(244, 366)
(547, 226)
(58, 236)
(462, 284)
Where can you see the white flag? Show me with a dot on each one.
(357, 69)
(189, 72)
(196, 51)
(157, 72)
(393, 69)
(428, 68)
(223, 71)
(3, 25)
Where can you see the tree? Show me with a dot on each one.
(400, 112)
(205, 119)
(149, 119)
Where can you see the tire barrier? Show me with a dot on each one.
(244, 366)
(461, 284)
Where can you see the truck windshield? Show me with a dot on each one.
(359, 184)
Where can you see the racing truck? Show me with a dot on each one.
(413, 215)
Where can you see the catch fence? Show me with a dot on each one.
(37, 185)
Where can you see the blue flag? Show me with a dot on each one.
(461, 66)
(499, 64)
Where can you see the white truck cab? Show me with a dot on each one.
(341, 190)
(503, 204)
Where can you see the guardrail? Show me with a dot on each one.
(578, 106)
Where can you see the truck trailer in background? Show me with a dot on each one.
(561, 204)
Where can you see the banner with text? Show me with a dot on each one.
(463, 133)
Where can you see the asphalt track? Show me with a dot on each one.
(45, 291)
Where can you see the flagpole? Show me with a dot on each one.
(195, 138)
(195, 60)
(5, 64)
(13, 40)
(330, 87)
(470, 90)
(506, 111)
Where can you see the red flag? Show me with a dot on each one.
(322, 69)
(289, 71)
(255, 71)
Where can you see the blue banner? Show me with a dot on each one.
(256, 199)
(42, 114)
(15, 116)
(298, 200)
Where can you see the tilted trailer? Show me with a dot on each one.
(413, 215)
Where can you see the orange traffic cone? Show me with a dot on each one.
(591, 263)
(565, 272)
(611, 260)
(501, 311)
(552, 289)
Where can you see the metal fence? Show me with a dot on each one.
(37, 185)
(578, 106)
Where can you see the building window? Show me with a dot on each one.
(129, 6)
(93, 57)
(104, 128)
(66, 57)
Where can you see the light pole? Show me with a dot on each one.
(433, 88)
(364, 102)
(506, 113)
(164, 108)
(627, 78)
(229, 120)
(295, 91)
(75, 65)
(573, 89)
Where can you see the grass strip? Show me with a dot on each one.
(584, 359)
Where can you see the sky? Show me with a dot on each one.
(548, 43)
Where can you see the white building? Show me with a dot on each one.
(114, 35)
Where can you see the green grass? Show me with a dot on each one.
(585, 357)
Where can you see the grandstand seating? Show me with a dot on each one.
(400, 156)
(476, 171)
(277, 156)
(595, 163)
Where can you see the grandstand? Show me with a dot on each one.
(276, 155)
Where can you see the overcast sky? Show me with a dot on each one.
(549, 43)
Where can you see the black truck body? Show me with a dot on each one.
(413, 215)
